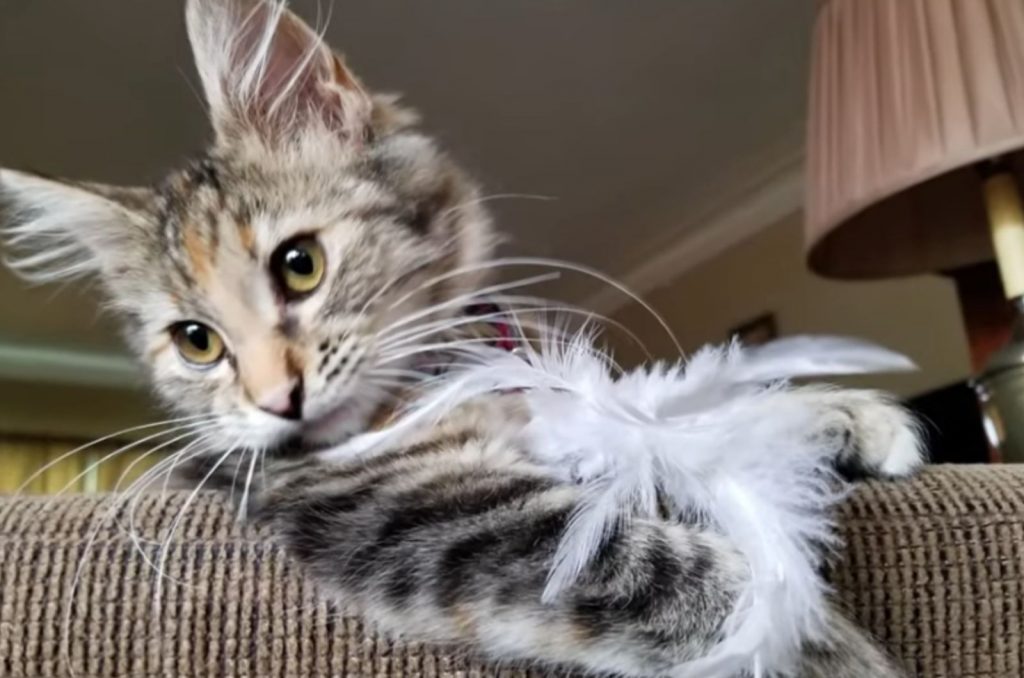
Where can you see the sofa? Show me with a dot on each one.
(933, 567)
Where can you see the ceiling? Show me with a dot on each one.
(628, 115)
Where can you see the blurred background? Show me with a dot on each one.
(667, 138)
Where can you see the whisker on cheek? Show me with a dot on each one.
(416, 333)
(165, 547)
(416, 375)
(165, 467)
(187, 454)
(561, 266)
(110, 436)
(399, 279)
(462, 300)
(244, 507)
(117, 502)
(441, 347)
(137, 492)
(496, 196)
(121, 450)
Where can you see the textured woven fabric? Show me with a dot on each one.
(932, 567)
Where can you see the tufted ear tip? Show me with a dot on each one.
(53, 229)
(265, 70)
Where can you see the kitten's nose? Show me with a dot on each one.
(284, 401)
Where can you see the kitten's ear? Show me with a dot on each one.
(264, 70)
(57, 230)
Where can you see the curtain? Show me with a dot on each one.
(41, 466)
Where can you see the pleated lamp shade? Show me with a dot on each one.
(907, 98)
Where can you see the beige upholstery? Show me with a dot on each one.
(932, 567)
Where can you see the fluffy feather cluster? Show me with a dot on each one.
(716, 436)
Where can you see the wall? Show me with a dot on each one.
(72, 412)
(918, 316)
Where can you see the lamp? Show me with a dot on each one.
(915, 160)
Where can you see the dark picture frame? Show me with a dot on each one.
(759, 330)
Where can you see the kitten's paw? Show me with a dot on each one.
(880, 439)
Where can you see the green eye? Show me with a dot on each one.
(299, 266)
(197, 343)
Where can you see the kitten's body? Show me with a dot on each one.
(448, 537)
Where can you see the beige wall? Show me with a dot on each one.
(918, 316)
(71, 411)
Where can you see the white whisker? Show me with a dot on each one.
(436, 326)
(402, 377)
(578, 311)
(189, 428)
(134, 495)
(444, 251)
(130, 499)
(165, 547)
(234, 480)
(135, 491)
(244, 507)
(263, 467)
(453, 345)
(183, 455)
(387, 385)
(460, 299)
(601, 277)
(111, 513)
(103, 439)
(497, 196)
(565, 266)
(426, 329)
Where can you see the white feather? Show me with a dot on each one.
(717, 434)
(818, 356)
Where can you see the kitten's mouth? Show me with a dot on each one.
(337, 424)
(313, 435)
(322, 427)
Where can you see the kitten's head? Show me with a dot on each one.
(262, 284)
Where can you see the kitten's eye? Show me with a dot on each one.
(197, 344)
(299, 266)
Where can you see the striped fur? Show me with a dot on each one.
(446, 537)
(449, 537)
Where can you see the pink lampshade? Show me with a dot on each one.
(907, 98)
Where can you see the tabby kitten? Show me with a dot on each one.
(272, 284)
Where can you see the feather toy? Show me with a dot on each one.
(714, 434)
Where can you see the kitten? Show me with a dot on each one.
(270, 287)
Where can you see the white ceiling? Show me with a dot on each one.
(630, 114)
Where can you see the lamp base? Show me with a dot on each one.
(1000, 389)
(989, 320)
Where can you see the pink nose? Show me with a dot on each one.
(284, 401)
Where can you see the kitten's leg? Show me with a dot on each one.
(870, 434)
(847, 652)
(438, 545)
(450, 540)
